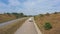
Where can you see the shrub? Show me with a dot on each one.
(47, 26)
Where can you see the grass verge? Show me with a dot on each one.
(53, 19)
(10, 29)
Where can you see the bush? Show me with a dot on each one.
(47, 26)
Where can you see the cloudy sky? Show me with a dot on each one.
(29, 7)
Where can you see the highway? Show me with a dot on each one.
(10, 22)
(28, 28)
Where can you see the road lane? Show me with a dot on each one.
(10, 22)
(27, 28)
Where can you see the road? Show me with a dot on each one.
(9, 22)
(28, 28)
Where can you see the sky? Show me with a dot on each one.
(29, 7)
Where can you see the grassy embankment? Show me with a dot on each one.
(10, 29)
(54, 20)
(5, 17)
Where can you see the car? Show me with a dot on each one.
(30, 21)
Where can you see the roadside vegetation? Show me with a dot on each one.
(48, 23)
(47, 26)
(41, 15)
(10, 16)
(11, 29)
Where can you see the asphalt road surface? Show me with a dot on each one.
(10, 22)
(27, 28)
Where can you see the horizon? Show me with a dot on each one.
(30, 7)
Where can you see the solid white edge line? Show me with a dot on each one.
(38, 30)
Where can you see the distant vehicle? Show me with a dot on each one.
(30, 20)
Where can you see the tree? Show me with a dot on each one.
(21, 14)
(16, 14)
(8, 14)
(56, 13)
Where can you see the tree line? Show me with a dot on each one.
(17, 15)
